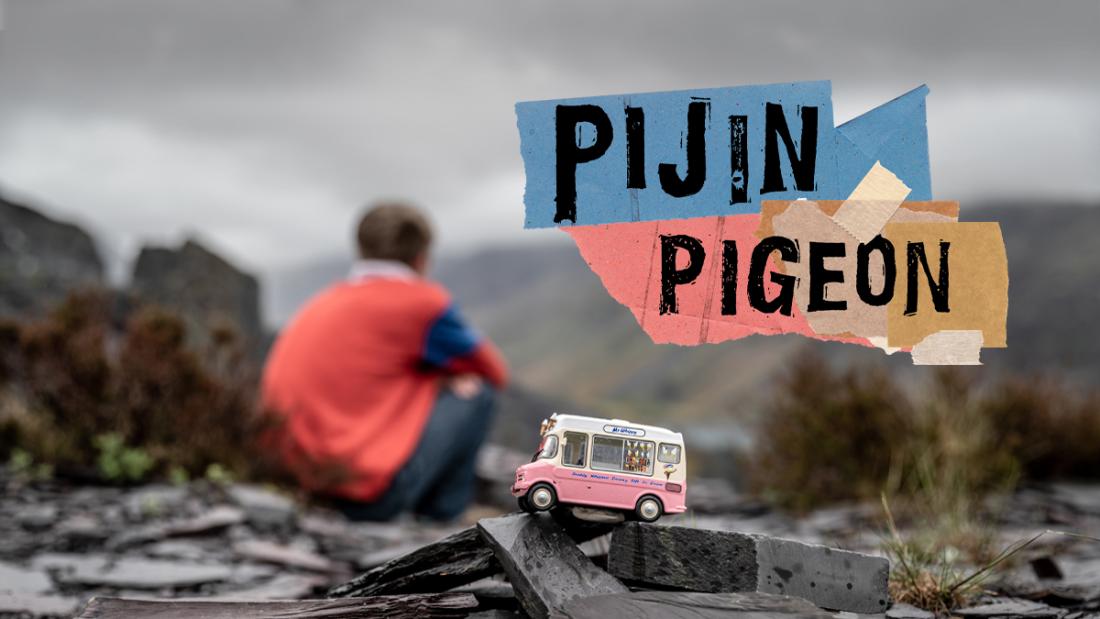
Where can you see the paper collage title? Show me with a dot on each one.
(722, 213)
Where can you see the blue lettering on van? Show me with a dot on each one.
(623, 430)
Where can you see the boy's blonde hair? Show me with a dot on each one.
(394, 231)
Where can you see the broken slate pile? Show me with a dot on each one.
(247, 551)
(62, 545)
(668, 570)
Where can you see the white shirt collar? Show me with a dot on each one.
(368, 268)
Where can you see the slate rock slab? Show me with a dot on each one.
(901, 610)
(136, 573)
(36, 605)
(392, 606)
(25, 592)
(154, 500)
(217, 518)
(692, 559)
(38, 517)
(262, 506)
(456, 560)
(543, 563)
(719, 561)
(1010, 607)
(281, 587)
(280, 554)
(16, 579)
(684, 604)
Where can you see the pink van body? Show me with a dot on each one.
(615, 490)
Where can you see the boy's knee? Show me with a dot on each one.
(483, 405)
(487, 396)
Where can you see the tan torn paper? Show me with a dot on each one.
(978, 282)
(949, 348)
(871, 204)
(806, 221)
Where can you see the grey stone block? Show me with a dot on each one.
(714, 561)
(830, 578)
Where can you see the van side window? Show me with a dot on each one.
(574, 446)
(626, 455)
(669, 454)
(607, 453)
(638, 457)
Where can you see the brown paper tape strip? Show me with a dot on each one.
(871, 204)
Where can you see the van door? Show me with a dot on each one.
(572, 475)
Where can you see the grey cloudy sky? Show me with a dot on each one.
(264, 126)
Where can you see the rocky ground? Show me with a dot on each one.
(61, 545)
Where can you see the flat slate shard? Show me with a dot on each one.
(263, 507)
(217, 518)
(543, 563)
(280, 554)
(453, 561)
(281, 587)
(140, 573)
(719, 561)
(390, 606)
(36, 605)
(901, 610)
(683, 604)
(1009, 607)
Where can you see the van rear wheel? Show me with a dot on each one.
(648, 509)
(541, 498)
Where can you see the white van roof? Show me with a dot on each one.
(616, 427)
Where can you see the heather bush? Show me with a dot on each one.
(124, 402)
(829, 435)
(852, 434)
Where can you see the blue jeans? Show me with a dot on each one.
(438, 480)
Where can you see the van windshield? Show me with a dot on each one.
(548, 448)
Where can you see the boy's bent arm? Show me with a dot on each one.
(486, 361)
(452, 345)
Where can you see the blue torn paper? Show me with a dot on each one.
(894, 134)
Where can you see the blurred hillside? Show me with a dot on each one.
(568, 341)
(565, 336)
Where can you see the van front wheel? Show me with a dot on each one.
(541, 497)
(524, 505)
(648, 509)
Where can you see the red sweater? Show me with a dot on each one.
(355, 374)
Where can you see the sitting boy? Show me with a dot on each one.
(379, 377)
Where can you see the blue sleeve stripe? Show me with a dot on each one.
(448, 338)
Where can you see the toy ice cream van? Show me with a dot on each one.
(606, 463)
